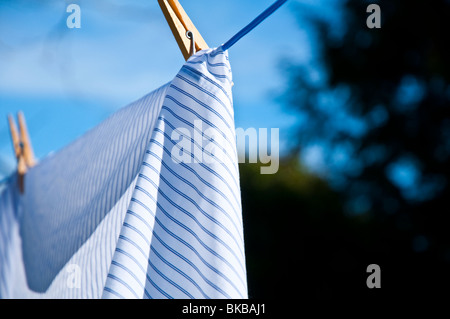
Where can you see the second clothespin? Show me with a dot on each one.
(22, 148)
(181, 24)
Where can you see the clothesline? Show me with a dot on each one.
(253, 24)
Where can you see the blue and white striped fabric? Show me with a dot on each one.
(146, 205)
(182, 235)
(8, 239)
(70, 216)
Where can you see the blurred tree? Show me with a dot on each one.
(389, 89)
(380, 111)
(299, 242)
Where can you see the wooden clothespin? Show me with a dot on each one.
(22, 148)
(180, 24)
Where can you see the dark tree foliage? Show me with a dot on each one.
(394, 80)
(394, 83)
(298, 242)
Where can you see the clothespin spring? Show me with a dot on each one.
(190, 36)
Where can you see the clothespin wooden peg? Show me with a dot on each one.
(22, 148)
(180, 24)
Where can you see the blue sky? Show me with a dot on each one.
(68, 80)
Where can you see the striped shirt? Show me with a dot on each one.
(146, 205)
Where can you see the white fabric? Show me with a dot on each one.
(116, 210)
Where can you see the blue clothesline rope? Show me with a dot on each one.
(253, 24)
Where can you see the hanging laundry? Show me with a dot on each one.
(117, 214)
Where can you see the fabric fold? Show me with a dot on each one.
(146, 205)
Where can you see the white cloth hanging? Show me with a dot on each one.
(140, 206)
